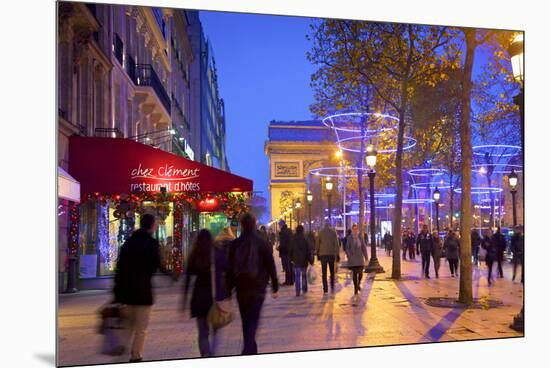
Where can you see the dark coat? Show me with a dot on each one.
(138, 260)
(475, 239)
(424, 242)
(517, 245)
(239, 249)
(300, 253)
(452, 247)
(201, 299)
(489, 245)
(285, 237)
(500, 243)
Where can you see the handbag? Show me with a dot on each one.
(220, 313)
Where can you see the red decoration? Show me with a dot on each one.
(74, 219)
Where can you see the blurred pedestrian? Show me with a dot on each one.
(272, 238)
(388, 242)
(138, 260)
(452, 252)
(411, 242)
(437, 251)
(285, 236)
(251, 266)
(356, 252)
(300, 254)
(476, 242)
(424, 248)
(489, 245)
(200, 265)
(517, 245)
(500, 244)
(404, 244)
(327, 249)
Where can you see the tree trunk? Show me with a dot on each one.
(396, 254)
(465, 292)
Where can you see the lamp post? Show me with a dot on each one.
(373, 265)
(309, 198)
(290, 209)
(437, 197)
(298, 205)
(329, 185)
(513, 182)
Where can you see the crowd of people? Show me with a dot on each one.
(245, 265)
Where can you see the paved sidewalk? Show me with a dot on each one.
(387, 312)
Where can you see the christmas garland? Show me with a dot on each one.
(232, 204)
(73, 229)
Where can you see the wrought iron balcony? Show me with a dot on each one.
(145, 75)
(108, 133)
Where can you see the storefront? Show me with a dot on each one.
(121, 180)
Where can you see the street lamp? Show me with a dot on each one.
(513, 182)
(516, 57)
(298, 205)
(437, 197)
(370, 159)
(329, 185)
(309, 198)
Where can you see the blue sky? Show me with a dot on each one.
(263, 75)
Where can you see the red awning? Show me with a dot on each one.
(114, 165)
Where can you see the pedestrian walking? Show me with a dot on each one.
(424, 248)
(404, 246)
(490, 247)
(500, 244)
(207, 258)
(452, 251)
(437, 251)
(272, 238)
(327, 250)
(356, 252)
(300, 254)
(517, 245)
(138, 260)
(388, 243)
(411, 243)
(285, 236)
(476, 242)
(251, 266)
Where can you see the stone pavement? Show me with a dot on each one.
(387, 312)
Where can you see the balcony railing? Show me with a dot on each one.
(118, 48)
(108, 133)
(145, 75)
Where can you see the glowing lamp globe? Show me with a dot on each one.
(516, 57)
(371, 157)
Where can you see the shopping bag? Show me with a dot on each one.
(311, 275)
(112, 327)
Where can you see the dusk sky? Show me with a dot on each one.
(263, 75)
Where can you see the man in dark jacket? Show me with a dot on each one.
(500, 243)
(424, 246)
(139, 259)
(517, 245)
(285, 236)
(476, 242)
(251, 266)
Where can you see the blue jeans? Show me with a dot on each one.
(301, 278)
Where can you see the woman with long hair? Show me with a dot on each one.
(199, 266)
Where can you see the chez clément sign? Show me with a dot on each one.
(174, 179)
